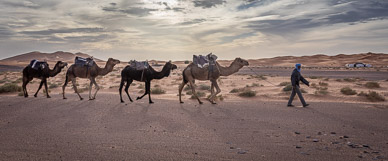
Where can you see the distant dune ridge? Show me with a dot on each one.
(320, 60)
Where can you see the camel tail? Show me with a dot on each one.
(184, 77)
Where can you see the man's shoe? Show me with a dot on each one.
(290, 106)
(306, 105)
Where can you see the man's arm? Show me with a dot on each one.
(304, 80)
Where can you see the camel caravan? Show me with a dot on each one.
(202, 68)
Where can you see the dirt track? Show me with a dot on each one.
(104, 129)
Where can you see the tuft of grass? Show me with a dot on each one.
(349, 79)
(10, 87)
(284, 83)
(326, 79)
(187, 62)
(2, 81)
(313, 77)
(348, 91)
(373, 96)
(321, 91)
(338, 80)
(323, 84)
(156, 85)
(235, 90)
(157, 90)
(199, 94)
(141, 86)
(247, 93)
(204, 87)
(303, 91)
(287, 88)
(20, 94)
(260, 77)
(372, 85)
(51, 86)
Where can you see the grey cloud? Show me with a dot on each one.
(6, 32)
(64, 30)
(79, 39)
(136, 11)
(208, 3)
(31, 4)
(195, 21)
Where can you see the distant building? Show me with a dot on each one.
(358, 65)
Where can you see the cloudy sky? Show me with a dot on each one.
(177, 29)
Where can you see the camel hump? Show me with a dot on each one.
(79, 61)
(204, 61)
(139, 65)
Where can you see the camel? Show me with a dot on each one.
(129, 74)
(29, 73)
(193, 72)
(90, 73)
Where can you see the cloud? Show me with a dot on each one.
(64, 30)
(208, 3)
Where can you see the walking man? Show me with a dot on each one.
(295, 78)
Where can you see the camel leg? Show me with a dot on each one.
(212, 98)
(64, 86)
(194, 93)
(25, 82)
(40, 86)
(90, 89)
(145, 92)
(97, 87)
(121, 89)
(148, 88)
(129, 82)
(180, 91)
(73, 81)
(45, 86)
(211, 91)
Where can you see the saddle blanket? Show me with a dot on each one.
(79, 61)
(204, 61)
(139, 65)
(38, 65)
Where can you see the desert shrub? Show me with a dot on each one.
(219, 97)
(20, 94)
(348, 91)
(187, 62)
(321, 91)
(235, 90)
(362, 93)
(141, 91)
(323, 84)
(156, 85)
(199, 94)
(2, 81)
(261, 77)
(141, 86)
(51, 86)
(284, 83)
(204, 87)
(253, 85)
(303, 91)
(338, 80)
(44, 91)
(372, 85)
(19, 80)
(157, 90)
(10, 87)
(349, 79)
(314, 85)
(326, 79)
(374, 97)
(247, 93)
(287, 88)
(313, 77)
(189, 92)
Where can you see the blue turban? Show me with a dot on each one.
(298, 66)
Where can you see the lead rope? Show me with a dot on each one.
(262, 79)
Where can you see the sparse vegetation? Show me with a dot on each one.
(323, 84)
(260, 77)
(51, 86)
(372, 85)
(253, 85)
(285, 83)
(141, 86)
(321, 91)
(199, 94)
(373, 96)
(204, 87)
(157, 90)
(187, 62)
(349, 79)
(348, 91)
(287, 88)
(10, 87)
(247, 93)
(313, 77)
(235, 90)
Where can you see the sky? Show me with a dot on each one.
(177, 29)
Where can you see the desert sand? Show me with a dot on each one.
(334, 127)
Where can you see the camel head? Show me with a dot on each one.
(241, 62)
(112, 61)
(61, 64)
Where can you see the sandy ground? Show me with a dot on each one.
(245, 129)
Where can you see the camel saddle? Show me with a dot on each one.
(79, 61)
(204, 61)
(38, 65)
(139, 65)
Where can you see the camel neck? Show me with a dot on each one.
(55, 71)
(226, 71)
(164, 73)
(104, 71)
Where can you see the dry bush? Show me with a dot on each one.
(247, 93)
(348, 91)
(157, 90)
(10, 87)
(372, 85)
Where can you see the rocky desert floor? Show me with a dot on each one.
(250, 121)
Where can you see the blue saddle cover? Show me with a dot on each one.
(79, 61)
(204, 61)
(38, 65)
(139, 65)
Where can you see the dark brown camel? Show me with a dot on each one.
(29, 73)
(90, 73)
(193, 72)
(129, 74)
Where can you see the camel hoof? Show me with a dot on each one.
(81, 99)
(201, 103)
(181, 102)
(131, 100)
(25, 96)
(48, 96)
(35, 96)
(214, 103)
(137, 98)
(64, 98)
(151, 102)
(122, 101)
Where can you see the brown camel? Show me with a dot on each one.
(90, 73)
(43, 74)
(192, 72)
